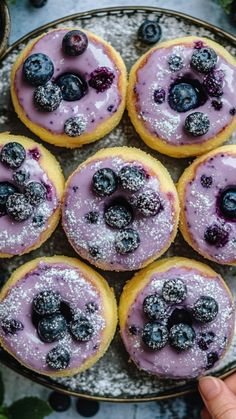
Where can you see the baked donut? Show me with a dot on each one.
(68, 87)
(181, 96)
(57, 316)
(207, 192)
(120, 209)
(176, 318)
(31, 190)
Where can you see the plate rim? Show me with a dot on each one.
(83, 15)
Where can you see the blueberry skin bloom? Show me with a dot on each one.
(38, 69)
(183, 97)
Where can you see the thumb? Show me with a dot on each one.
(219, 400)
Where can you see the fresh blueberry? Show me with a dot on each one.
(12, 155)
(149, 32)
(213, 83)
(94, 251)
(227, 203)
(18, 207)
(175, 62)
(87, 408)
(11, 326)
(81, 329)
(155, 335)
(38, 69)
(75, 43)
(205, 339)
(35, 192)
(58, 358)
(104, 182)
(38, 3)
(134, 330)
(197, 123)
(118, 216)
(155, 307)
(147, 203)
(180, 315)
(131, 178)
(127, 241)
(159, 95)
(204, 60)
(182, 337)
(212, 358)
(206, 181)
(73, 87)
(47, 302)
(47, 98)
(183, 97)
(174, 291)
(216, 235)
(52, 328)
(101, 79)
(20, 177)
(75, 126)
(217, 104)
(59, 402)
(38, 220)
(205, 309)
(92, 217)
(6, 189)
(232, 111)
(91, 307)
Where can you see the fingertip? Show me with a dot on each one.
(209, 387)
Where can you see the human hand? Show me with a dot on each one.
(219, 397)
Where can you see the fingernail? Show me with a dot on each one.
(209, 387)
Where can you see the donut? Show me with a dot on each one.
(176, 318)
(31, 191)
(120, 209)
(207, 192)
(57, 316)
(181, 96)
(68, 87)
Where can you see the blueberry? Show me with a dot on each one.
(58, 358)
(12, 155)
(127, 241)
(94, 251)
(183, 97)
(205, 339)
(155, 307)
(232, 111)
(20, 177)
(74, 43)
(92, 217)
(206, 181)
(101, 79)
(227, 203)
(47, 302)
(204, 60)
(205, 309)
(38, 3)
(38, 69)
(18, 207)
(159, 95)
(11, 326)
(216, 235)
(134, 330)
(212, 358)
(47, 98)
(147, 203)
(87, 408)
(59, 402)
(217, 104)
(91, 307)
(118, 216)
(155, 335)
(52, 328)
(174, 291)
(104, 182)
(38, 220)
(131, 178)
(197, 123)
(213, 83)
(81, 329)
(75, 126)
(180, 315)
(182, 337)
(149, 32)
(6, 189)
(35, 192)
(175, 62)
(73, 87)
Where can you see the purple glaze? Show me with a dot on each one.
(75, 289)
(201, 205)
(154, 231)
(167, 362)
(165, 122)
(93, 106)
(18, 237)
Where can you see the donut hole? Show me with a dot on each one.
(73, 86)
(186, 93)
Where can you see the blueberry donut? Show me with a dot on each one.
(31, 190)
(120, 210)
(181, 96)
(207, 192)
(57, 316)
(68, 87)
(176, 318)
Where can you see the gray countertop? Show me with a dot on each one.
(24, 19)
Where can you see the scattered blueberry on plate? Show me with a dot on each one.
(149, 32)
